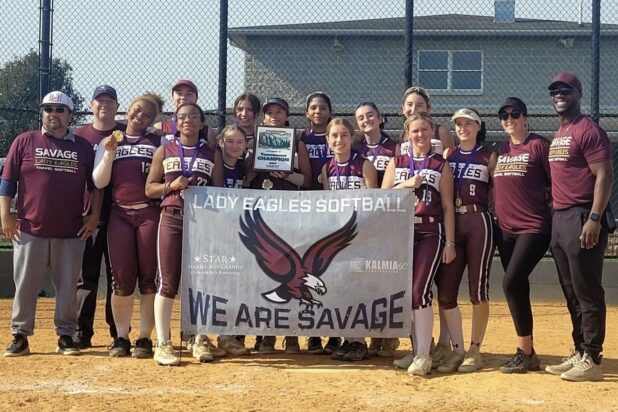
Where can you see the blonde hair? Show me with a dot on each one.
(418, 116)
(340, 121)
(152, 98)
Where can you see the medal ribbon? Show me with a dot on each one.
(422, 165)
(345, 184)
(460, 175)
(187, 171)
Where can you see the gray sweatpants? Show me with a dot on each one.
(33, 258)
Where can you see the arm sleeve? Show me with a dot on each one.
(8, 188)
(103, 161)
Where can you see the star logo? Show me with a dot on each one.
(233, 259)
(196, 259)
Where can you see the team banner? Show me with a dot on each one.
(315, 263)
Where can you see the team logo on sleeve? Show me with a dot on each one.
(298, 278)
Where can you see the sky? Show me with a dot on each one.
(146, 44)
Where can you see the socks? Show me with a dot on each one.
(163, 317)
(480, 317)
(147, 320)
(452, 319)
(423, 328)
(122, 308)
(444, 338)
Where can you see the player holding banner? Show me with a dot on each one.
(430, 176)
(187, 160)
(347, 170)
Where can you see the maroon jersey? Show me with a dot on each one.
(51, 174)
(130, 169)
(520, 181)
(201, 170)
(350, 173)
(471, 175)
(573, 148)
(319, 154)
(234, 177)
(379, 154)
(95, 136)
(436, 142)
(428, 194)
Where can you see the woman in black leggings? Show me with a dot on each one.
(521, 179)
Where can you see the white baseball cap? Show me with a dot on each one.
(468, 114)
(57, 97)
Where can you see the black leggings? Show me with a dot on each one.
(519, 255)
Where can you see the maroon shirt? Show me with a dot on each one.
(319, 154)
(573, 148)
(379, 154)
(52, 175)
(350, 173)
(130, 169)
(202, 169)
(428, 194)
(520, 181)
(94, 137)
(471, 175)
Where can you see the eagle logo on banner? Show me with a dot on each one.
(298, 278)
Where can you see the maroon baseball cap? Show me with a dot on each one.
(187, 83)
(568, 78)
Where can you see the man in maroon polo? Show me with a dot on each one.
(49, 169)
(581, 176)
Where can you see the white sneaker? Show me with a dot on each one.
(421, 365)
(452, 363)
(473, 361)
(165, 355)
(200, 349)
(440, 354)
(405, 362)
(566, 365)
(583, 371)
(232, 345)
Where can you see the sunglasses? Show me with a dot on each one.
(515, 114)
(564, 91)
(54, 109)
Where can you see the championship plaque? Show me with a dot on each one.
(274, 149)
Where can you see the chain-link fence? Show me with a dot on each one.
(466, 53)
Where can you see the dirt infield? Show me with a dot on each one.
(47, 381)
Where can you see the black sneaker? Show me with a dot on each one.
(66, 346)
(358, 351)
(314, 346)
(267, 345)
(143, 348)
(82, 340)
(120, 347)
(18, 347)
(332, 345)
(522, 363)
(240, 338)
(341, 351)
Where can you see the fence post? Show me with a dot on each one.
(596, 59)
(223, 6)
(44, 47)
(409, 42)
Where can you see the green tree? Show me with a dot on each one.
(19, 94)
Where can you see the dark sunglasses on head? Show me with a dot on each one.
(565, 91)
(54, 109)
(515, 114)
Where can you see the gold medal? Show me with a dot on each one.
(267, 184)
(458, 202)
(118, 135)
(320, 178)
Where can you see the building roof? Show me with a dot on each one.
(436, 25)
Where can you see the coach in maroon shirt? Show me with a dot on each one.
(581, 175)
(50, 168)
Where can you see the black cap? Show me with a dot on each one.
(515, 103)
(105, 89)
(277, 101)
